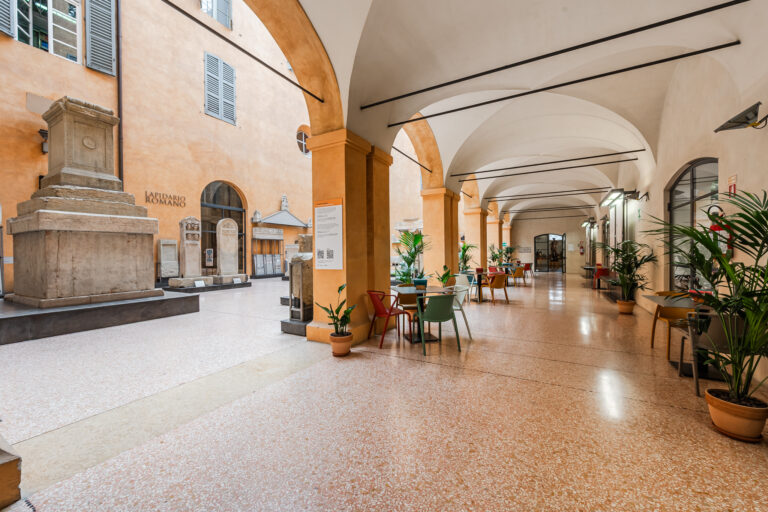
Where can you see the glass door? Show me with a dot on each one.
(541, 249)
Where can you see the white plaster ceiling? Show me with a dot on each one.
(382, 48)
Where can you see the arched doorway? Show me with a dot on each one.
(220, 200)
(549, 254)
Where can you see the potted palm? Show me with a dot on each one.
(445, 276)
(737, 298)
(495, 256)
(465, 256)
(413, 245)
(508, 252)
(340, 338)
(627, 258)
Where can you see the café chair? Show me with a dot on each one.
(464, 280)
(498, 282)
(528, 270)
(519, 273)
(461, 295)
(438, 308)
(600, 272)
(407, 302)
(705, 331)
(667, 315)
(380, 310)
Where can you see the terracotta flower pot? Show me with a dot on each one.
(341, 345)
(740, 422)
(626, 307)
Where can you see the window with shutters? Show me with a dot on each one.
(219, 83)
(50, 25)
(221, 10)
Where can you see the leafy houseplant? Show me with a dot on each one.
(445, 276)
(340, 338)
(413, 245)
(465, 256)
(626, 260)
(508, 252)
(738, 300)
(495, 256)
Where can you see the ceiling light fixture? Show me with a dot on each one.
(746, 119)
(611, 197)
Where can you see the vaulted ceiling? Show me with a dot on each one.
(385, 48)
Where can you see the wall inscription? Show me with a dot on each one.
(165, 199)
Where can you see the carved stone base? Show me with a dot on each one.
(189, 282)
(83, 299)
(229, 278)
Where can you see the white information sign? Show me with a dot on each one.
(329, 241)
(200, 284)
(236, 280)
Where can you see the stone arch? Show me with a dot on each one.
(427, 152)
(210, 215)
(295, 35)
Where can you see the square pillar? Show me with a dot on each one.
(339, 171)
(476, 233)
(440, 217)
(378, 243)
(506, 234)
(494, 231)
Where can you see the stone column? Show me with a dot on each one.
(440, 214)
(476, 233)
(506, 233)
(377, 192)
(494, 231)
(339, 171)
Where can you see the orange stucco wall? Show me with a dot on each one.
(170, 145)
(405, 203)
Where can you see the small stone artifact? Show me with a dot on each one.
(227, 253)
(190, 255)
(167, 253)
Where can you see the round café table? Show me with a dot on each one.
(419, 292)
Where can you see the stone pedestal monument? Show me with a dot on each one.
(80, 239)
(227, 253)
(300, 283)
(168, 256)
(189, 256)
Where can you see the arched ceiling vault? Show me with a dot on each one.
(383, 48)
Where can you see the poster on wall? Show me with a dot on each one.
(329, 230)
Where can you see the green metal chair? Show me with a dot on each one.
(439, 309)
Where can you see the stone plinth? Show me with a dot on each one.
(167, 254)
(226, 247)
(189, 282)
(229, 279)
(190, 253)
(79, 239)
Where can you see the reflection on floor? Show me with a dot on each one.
(557, 404)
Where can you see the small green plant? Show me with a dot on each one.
(339, 320)
(413, 246)
(445, 276)
(495, 256)
(627, 259)
(465, 256)
(508, 252)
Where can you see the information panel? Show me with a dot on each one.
(329, 231)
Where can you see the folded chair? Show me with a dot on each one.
(438, 308)
(380, 310)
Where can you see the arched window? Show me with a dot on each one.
(690, 196)
(301, 140)
(218, 201)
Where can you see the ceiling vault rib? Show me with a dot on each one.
(555, 53)
(547, 163)
(539, 195)
(234, 44)
(413, 160)
(549, 170)
(572, 82)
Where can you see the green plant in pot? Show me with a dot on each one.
(729, 255)
(412, 247)
(445, 276)
(508, 252)
(465, 256)
(495, 256)
(339, 316)
(627, 260)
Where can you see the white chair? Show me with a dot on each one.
(463, 280)
(461, 292)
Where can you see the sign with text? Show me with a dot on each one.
(164, 199)
(329, 235)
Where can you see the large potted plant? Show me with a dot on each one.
(729, 256)
(627, 259)
(412, 247)
(495, 256)
(465, 256)
(508, 252)
(339, 316)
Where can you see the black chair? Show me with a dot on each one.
(705, 332)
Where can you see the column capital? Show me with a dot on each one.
(476, 211)
(439, 191)
(493, 220)
(337, 138)
(379, 155)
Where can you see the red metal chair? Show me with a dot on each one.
(380, 310)
(527, 269)
(599, 273)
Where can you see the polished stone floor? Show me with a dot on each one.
(556, 404)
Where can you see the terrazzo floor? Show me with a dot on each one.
(556, 404)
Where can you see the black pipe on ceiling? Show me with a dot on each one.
(555, 53)
(547, 163)
(573, 82)
(413, 160)
(549, 170)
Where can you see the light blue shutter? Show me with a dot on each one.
(228, 93)
(6, 16)
(100, 36)
(212, 85)
(224, 12)
(207, 6)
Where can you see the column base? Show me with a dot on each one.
(37, 302)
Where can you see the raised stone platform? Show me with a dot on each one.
(209, 288)
(21, 323)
